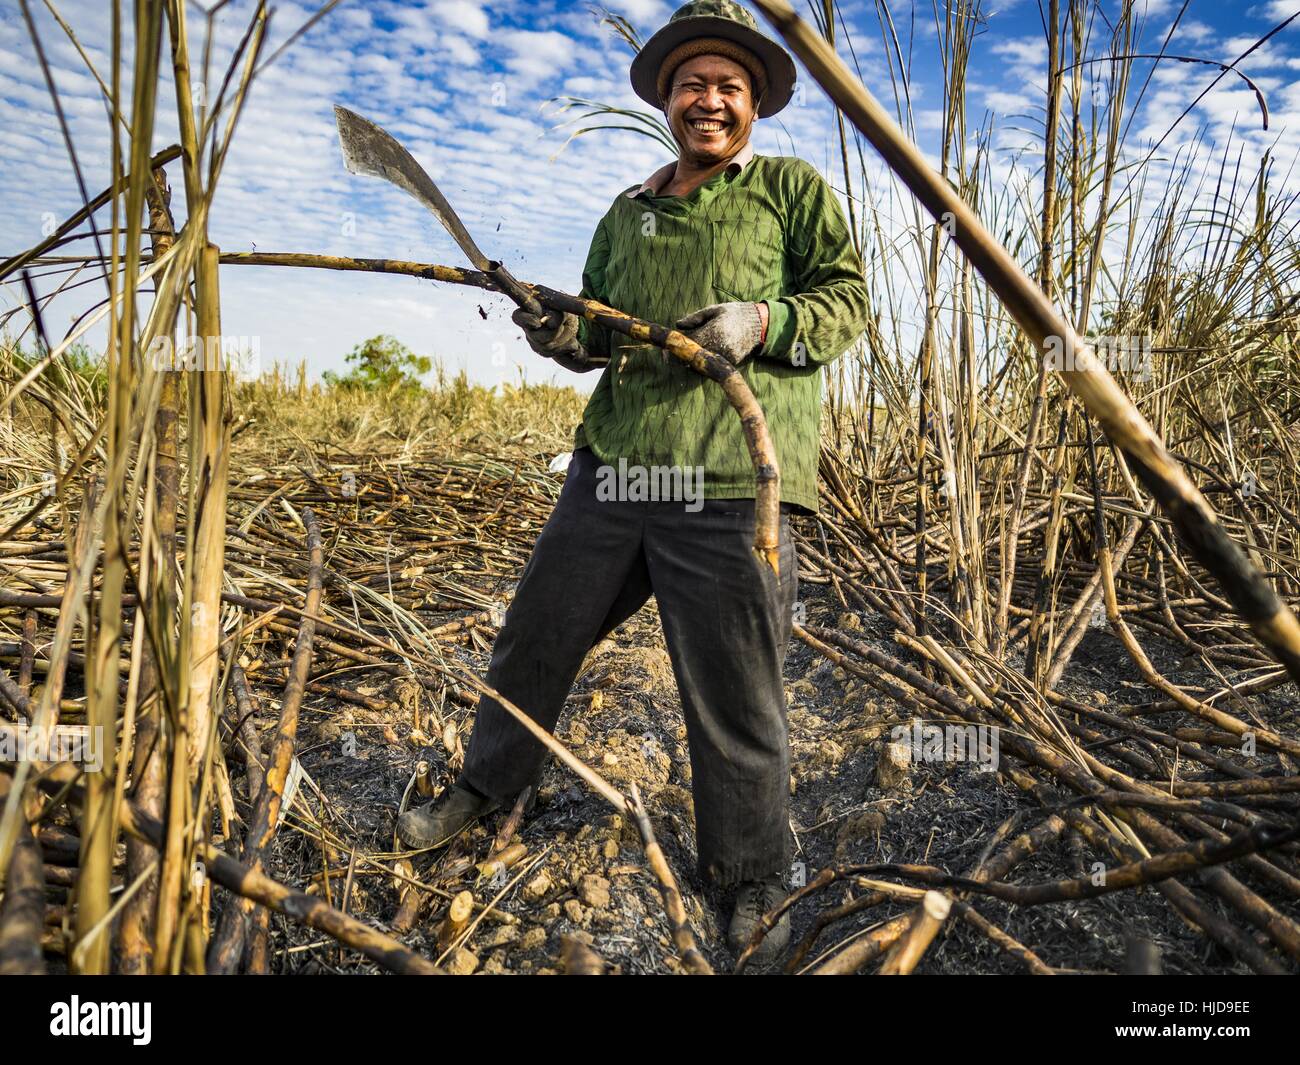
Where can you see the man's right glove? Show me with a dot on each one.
(554, 341)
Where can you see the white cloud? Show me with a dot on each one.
(1191, 31)
(1026, 53)
(373, 62)
(1008, 103)
(535, 55)
(646, 15)
(459, 51)
(464, 16)
(1276, 9)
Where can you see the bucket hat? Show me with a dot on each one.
(734, 31)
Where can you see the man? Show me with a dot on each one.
(751, 256)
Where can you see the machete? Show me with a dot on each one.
(372, 151)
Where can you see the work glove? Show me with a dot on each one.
(732, 330)
(552, 340)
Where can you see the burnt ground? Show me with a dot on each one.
(623, 718)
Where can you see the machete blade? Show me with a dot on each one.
(372, 151)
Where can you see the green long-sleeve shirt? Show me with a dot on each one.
(769, 230)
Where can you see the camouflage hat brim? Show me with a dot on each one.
(775, 59)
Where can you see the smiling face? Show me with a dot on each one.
(711, 109)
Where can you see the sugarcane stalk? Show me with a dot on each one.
(683, 939)
(135, 930)
(455, 920)
(28, 652)
(22, 916)
(246, 710)
(926, 921)
(185, 741)
(1040, 624)
(99, 817)
(1046, 278)
(227, 946)
(866, 947)
(209, 466)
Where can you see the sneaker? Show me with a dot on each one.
(753, 899)
(443, 819)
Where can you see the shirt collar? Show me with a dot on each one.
(664, 174)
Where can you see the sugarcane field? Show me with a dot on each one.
(650, 488)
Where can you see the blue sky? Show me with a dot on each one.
(464, 85)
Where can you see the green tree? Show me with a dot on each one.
(382, 364)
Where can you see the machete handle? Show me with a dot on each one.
(514, 289)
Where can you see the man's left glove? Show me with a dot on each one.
(554, 341)
(732, 330)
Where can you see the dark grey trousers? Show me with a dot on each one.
(726, 621)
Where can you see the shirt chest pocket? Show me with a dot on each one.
(748, 258)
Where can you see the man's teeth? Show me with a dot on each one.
(706, 126)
